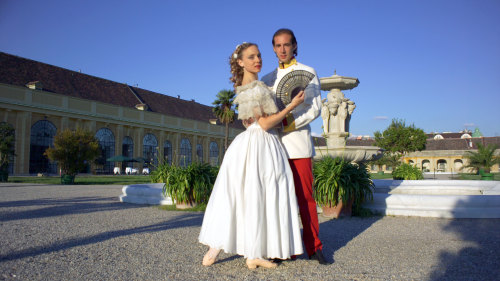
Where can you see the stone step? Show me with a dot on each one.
(439, 206)
(437, 187)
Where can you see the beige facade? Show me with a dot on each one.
(444, 161)
(23, 107)
(448, 161)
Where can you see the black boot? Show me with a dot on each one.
(318, 255)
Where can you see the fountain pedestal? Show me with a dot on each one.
(336, 113)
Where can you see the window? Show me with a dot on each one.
(41, 138)
(426, 165)
(167, 152)
(199, 153)
(128, 149)
(185, 155)
(214, 154)
(150, 149)
(442, 165)
(106, 140)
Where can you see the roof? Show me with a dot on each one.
(442, 144)
(20, 71)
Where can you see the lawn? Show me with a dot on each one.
(86, 179)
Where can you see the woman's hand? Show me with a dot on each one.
(298, 99)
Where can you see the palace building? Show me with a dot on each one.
(39, 99)
(444, 152)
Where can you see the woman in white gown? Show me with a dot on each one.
(253, 210)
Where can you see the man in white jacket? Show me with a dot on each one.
(296, 137)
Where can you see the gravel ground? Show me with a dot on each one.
(52, 232)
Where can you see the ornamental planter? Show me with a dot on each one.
(182, 206)
(487, 176)
(339, 210)
(67, 179)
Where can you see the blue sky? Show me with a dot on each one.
(433, 63)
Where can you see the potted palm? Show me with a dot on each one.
(6, 149)
(73, 150)
(340, 185)
(482, 160)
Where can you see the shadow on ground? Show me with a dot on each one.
(336, 233)
(184, 220)
(479, 260)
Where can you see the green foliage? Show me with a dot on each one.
(407, 172)
(388, 159)
(399, 138)
(191, 184)
(86, 180)
(73, 150)
(484, 158)
(223, 110)
(6, 145)
(336, 179)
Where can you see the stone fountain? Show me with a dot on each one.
(336, 114)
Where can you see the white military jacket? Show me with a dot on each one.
(296, 133)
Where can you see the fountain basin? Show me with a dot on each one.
(350, 153)
(338, 82)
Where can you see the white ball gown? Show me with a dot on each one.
(253, 210)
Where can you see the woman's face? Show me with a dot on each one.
(251, 60)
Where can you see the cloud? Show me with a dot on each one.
(380, 117)
(318, 135)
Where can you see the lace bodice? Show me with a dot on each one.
(254, 99)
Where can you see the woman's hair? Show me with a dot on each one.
(236, 69)
(289, 32)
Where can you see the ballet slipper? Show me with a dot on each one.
(210, 257)
(253, 263)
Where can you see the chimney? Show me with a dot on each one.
(34, 85)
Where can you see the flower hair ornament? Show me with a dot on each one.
(235, 54)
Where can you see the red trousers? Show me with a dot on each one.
(303, 180)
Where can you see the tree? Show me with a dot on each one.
(6, 149)
(73, 150)
(401, 139)
(389, 160)
(223, 110)
(484, 158)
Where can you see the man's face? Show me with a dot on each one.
(283, 47)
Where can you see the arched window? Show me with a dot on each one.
(214, 154)
(106, 140)
(442, 165)
(458, 164)
(150, 149)
(41, 138)
(199, 153)
(167, 152)
(426, 165)
(411, 162)
(128, 149)
(185, 155)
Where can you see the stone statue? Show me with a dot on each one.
(336, 112)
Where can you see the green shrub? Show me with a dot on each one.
(336, 179)
(191, 184)
(407, 172)
(73, 150)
